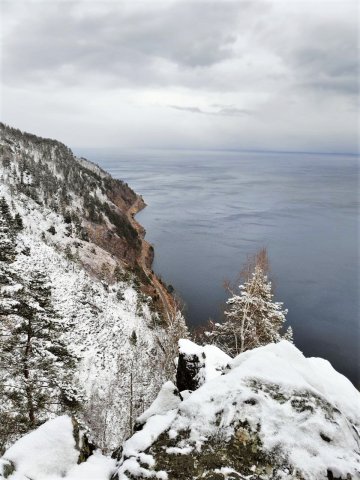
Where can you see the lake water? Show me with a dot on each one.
(208, 210)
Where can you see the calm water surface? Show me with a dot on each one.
(208, 210)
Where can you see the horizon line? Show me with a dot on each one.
(232, 150)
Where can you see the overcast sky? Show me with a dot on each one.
(257, 74)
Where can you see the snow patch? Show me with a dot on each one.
(46, 452)
(167, 399)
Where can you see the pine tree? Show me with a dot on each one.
(36, 369)
(9, 285)
(5, 211)
(18, 223)
(253, 319)
(36, 359)
(7, 244)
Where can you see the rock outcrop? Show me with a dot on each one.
(196, 364)
(269, 414)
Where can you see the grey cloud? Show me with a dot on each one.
(345, 85)
(326, 58)
(181, 43)
(187, 109)
(233, 111)
(228, 111)
(127, 46)
(295, 75)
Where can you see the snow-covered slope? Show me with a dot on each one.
(274, 415)
(111, 321)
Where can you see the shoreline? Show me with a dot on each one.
(147, 258)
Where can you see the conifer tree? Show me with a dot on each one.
(36, 369)
(5, 211)
(7, 241)
(36, 360)
(18, 223)
(253, 319)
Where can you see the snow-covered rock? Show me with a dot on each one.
(274, 414)
(167, 399)
(197, 365)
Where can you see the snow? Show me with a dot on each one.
(226, 472)
(179, 451)
(133, 448)
(153, 428)
(49, 453)
(296, 433)
(188, 348)
(300, 407)
(158, 417)
(91, 166)
(97, 467)
(167, 399)
(100, 327)
(334, 386)
(311, 374)
(97, 325)
(46, 452)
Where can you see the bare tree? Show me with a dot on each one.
(169, 342)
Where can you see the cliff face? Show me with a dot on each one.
(79, 232)
(97, 209)
(94, 205)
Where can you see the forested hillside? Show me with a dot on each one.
(92, 204)
(83, 328)
(267, 414)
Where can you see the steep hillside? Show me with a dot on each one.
(97, 210)
(92, 204)
(78, 232)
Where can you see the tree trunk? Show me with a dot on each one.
(26, 371)
(131, 402)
